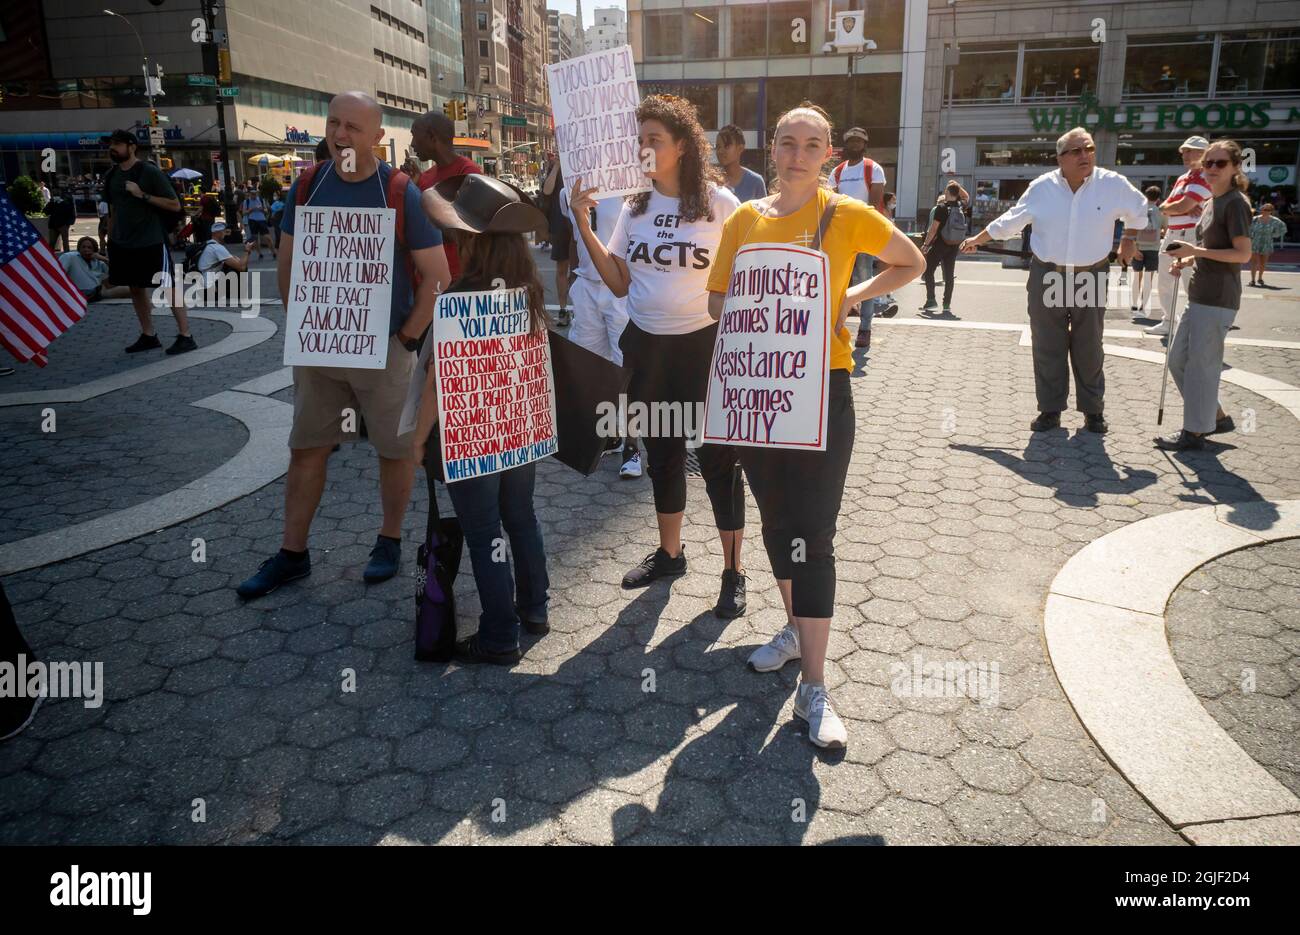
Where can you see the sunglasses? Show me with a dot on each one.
(1216, 163)
(1078, 150)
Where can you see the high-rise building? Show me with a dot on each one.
(609, 31)
(446, 51)
(70, 73)
(505, 85)
(559, 35)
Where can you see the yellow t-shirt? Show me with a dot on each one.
(856, 228)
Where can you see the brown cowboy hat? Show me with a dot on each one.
(483, 204)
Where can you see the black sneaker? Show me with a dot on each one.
(1223, 426)
(183, 344)
(890, 310)
(532, 625)
(731, 599)
(1096, 422)
(469, 652)
(1045, 422)
(385, 558)
(658, 564)
(275, 571)
(146, 342)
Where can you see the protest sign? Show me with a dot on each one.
(340, 287)
(496, 391)
(593, 101)
(770, 374)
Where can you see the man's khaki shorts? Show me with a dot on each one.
(321, 394)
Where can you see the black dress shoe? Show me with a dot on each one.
(1181, 441)
(532, 625)
(1096, 422)
(1045, 422)
(731, 598)
(658, 564)
(146, 342)
(469, 652)
(1223, 426)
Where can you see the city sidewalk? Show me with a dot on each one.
(636, 719)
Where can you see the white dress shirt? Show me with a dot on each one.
(1073, 228)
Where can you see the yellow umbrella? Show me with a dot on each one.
(265, 157)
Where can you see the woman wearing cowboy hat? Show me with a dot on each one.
(497, 215)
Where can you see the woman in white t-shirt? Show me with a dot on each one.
(659, 257)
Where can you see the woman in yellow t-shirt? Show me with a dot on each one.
(799, 492)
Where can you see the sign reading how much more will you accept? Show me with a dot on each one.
(593, 100)
(496, 391)
(340, 287)
(770, 373)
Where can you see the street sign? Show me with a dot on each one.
(228, 92)
(206, 80)
(156, 137)
(513, 121)
(214, 155)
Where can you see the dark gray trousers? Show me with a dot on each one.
(1065, 322)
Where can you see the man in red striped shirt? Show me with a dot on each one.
(1183, 209)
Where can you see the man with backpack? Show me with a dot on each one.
(863, 179)
(948, 228)
(142, 209)
(328, 400)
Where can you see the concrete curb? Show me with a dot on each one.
(244, 333)
(262, 460)
(1105, 632)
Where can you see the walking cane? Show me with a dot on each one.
(1173, 328)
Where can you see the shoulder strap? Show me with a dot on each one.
(304, 183)
(838, 171)
(825, 221)
(397, 182)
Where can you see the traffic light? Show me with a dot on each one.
(153, 118)
(165, 162)
(460, 110)
(223, 65)
(449, 108)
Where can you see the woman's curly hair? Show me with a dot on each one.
(678, 115)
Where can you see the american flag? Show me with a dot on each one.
(37, 300)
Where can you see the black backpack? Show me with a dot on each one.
(193, 252)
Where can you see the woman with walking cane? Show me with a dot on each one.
(1213, 297)
(799, 492)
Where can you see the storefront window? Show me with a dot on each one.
(703, 95)
(701, 32)
(1250, 63)
(744, 105)
(985, 73)
(870, 102)
(1168, 66)
(748, 30)
(784, 37)
(1060, 70)
(1034, 152)
(663, 33)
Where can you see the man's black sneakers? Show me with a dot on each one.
(658, 564)
(469, 652)
(275, 571)
(731, 599)
(385, 558)
(1181, 441)
(1095, 422)
(183, 344)
(146, 342)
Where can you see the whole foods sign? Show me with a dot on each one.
(1225, 115)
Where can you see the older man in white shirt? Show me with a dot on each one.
(1074, 211)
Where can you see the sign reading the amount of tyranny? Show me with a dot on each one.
(340, 287)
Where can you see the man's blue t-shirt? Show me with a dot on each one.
(750, 186)
(328, 189)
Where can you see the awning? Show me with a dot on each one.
(471, 142)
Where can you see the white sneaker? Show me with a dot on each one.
(777, 652)
(1162, 328)
(1123, 279)
(631, 467)
(813, 704)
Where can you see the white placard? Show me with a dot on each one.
(496, 389)
(593, 101)
(340, 287)
(770, 371)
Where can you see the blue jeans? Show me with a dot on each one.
(864, 267)
(483, 505)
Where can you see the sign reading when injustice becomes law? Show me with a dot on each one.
(770, 373)
(496, 390)
(593, 101)
(340, 287)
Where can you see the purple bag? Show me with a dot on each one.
(435, 603)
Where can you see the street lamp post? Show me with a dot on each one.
(148, 87)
